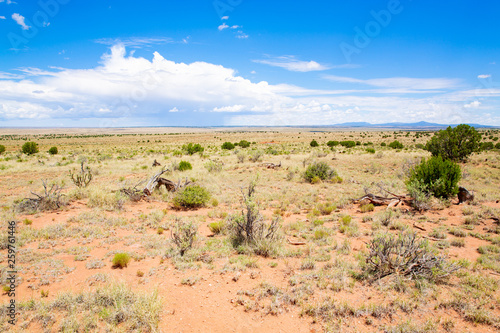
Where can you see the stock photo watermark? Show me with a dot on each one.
(11, 272)
(47, 9)
(222, 7)
(371, 30)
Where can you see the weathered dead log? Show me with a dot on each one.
(156, 163)
(156, 182)
(270, 165)
(378, 200)
(153, 182)
(295, 242)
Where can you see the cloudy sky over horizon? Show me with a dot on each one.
(117, 63)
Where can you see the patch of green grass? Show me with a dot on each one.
(121, 260)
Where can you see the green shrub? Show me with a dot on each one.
(348, 144)
(244, 144)
(487, 145)
(314, 143)
(436, 176)
(455, 143)
(383, 144)
(216, 227)
(497, 146)
(370, 150)
(367, 208)
(227, 146)
(332, 143)
(192, 148)
(30, 148)
(319, 171)
(2, 149)
(184, 165)
(53, 151)
(121, 260)
(396, 145)
(191, 197)
(184, 235)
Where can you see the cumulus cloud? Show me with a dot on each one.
(20, 20)
(484, 76)
(2, 17)
(472, 105)
(292, 64)
(131, 90)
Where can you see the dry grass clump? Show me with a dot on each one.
(50, 199)
(405, 255)
(109, 308)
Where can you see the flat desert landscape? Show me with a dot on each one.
(241, 238)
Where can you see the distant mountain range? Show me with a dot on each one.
(419, 125)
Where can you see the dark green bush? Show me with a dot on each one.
(192, 148)
(244, 144)
(191, 197)
(420, 146)
(455, 143)
(348, 144)
(2, 149)
(396, 145)
(487, 145)
(184, 165)
(30, 148)
(227, 146)
(314, 143)
(370, 150)
(497, 146)
(319, 171)
(332, 143)
(436, 176)
(53, 151)
(383, 144)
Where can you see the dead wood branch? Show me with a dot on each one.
(156, 182)
(295, 242)
(270, 165)
(418, 227)
(134, 193)
(51, 199)
(156, 163)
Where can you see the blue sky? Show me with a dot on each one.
(117, 63)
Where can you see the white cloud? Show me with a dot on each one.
(130, 90)
(20, 20)
(472, 105)
(484, 76)
(8, 2)
(223, 18)
(241, 35)
(401, 82)
(223, 26)
(2, 17)
(292, 64)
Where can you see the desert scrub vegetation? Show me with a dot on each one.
(29, 148)
(249, 232)
(436, 176)
(105, 200)
(184, 165)
(194, 196)
(319, 171)
(83, 178)
(121, 260)
(405, 255)
(227, 146)
(109, 308)
(193, 148)
(50, 199)
(184, 235)
(53, 150)
(455, 143)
